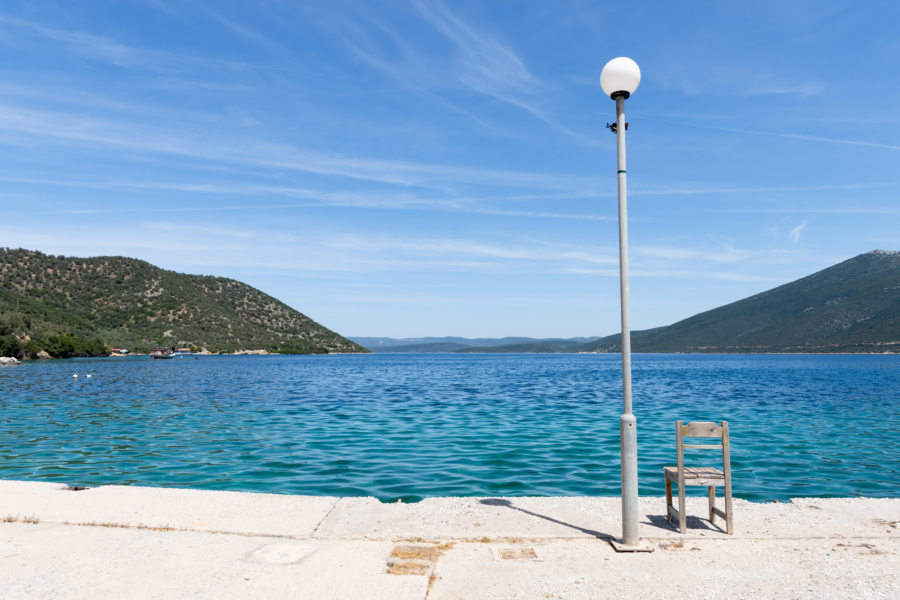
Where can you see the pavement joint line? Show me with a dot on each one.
(536, 540)
(767, 540)
(315, 533)
(161, 529)
(438, 539)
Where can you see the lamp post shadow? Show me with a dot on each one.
(504, 502)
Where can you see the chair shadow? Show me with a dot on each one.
(503, 502)
(691, 522)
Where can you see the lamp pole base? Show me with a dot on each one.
(618, 546)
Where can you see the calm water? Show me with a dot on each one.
(412, 426)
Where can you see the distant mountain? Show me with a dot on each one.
(853, 306)
(455, 344)
(542, 347)
(427, 347)
(48, 301)
(376, 344)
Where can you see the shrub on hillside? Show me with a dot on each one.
(9, 346)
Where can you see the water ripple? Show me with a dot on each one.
(412, 426)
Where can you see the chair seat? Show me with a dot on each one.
(697, 475)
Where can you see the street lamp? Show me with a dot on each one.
(619, 79)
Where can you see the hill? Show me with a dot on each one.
(422, 348)
(459, 344)
(536, 346)
(853, 306)
(85, 304)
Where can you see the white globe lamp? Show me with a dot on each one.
(620, 76)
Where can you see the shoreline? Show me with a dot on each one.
(124, 541)
(267, 353)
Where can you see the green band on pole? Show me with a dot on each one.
(622, 171)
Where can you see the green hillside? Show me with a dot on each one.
(853, 306)
(77, 306)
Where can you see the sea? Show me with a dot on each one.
(410, 426)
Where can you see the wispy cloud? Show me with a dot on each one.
(490, 67)
(535, 251)
(251, 152)
(729, 255)
(240, 29)
(483, 63)
(693, 77)
(679, 274)
(570, 188)
(693, 190)
(315, 198)
(479, 63)
(795, 136)
(84, 44)
(538, 215)
(850, 210)
(116, 53)
(797, 231)
(195, 230)
(813, 138)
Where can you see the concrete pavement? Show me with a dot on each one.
(131, 542)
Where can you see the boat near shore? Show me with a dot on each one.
(162, 353)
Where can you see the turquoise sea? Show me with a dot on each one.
(411, 426)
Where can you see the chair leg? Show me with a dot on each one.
(729, 525)
(712, 504)
(668, 499)
(682, 519)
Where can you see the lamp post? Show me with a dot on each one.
(619, 79)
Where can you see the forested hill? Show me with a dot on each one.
(853, 306)
(129, 303)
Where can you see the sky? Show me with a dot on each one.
(429, 168)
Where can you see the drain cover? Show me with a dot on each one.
(516, 553)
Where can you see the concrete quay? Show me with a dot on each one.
(135, 542)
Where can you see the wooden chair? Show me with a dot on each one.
(706, 476)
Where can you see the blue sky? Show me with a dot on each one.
(425, 168)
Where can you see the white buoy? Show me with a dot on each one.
(75, 375)
(88, 375)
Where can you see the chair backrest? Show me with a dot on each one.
(703, 429)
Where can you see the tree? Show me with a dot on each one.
(9, 346)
